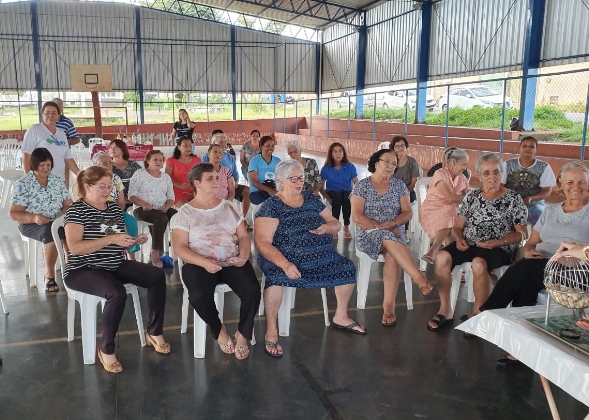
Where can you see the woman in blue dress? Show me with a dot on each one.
(293, 235)
(380, 209)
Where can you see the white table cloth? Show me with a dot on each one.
(558, 362)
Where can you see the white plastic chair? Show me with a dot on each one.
(143, 227)
(468, 278)
(88, 307)
(384, 145)
(77, 150)
(4, 308)
(363, 278)
(8, 177)
(288, 303)
(421, 187)
(10, 154)
(31, 254)
(200, 327)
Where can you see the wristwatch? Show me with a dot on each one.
(586, 253)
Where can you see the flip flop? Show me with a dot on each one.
(441, 322)
(350, 328)
(274, 346)
(427, 259)
(50, 285)
(388, 324)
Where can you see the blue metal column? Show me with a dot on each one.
(317, 76)
(36, 57)
(233, 78)
(361, 66)
(532, 54)
(423, 61)
(139, 61)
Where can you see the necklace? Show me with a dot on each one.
(568, 218)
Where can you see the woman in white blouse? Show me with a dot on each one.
(151, 190)
(209, 235)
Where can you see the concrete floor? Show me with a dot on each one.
(405, 372)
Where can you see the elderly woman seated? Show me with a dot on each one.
(440, 207)
(210, 237)
(152, 191)
(566, 221)
(96, 237)
(313, 181)
(380, 209)
(490, 224)
(103, 160)
(293, 235)
(38, 198)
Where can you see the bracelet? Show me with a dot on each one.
(504, 242)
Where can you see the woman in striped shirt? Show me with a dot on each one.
(96, 237)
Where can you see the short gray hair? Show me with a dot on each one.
(215, 139)
(571, 166)
(454, 154)
(284, 169)
(97, 156)
(488, 157)
(295, 144)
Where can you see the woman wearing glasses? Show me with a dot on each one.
(96, 238)
(445, 193)
(380, 209)
(491, 223)
(293, 237)
(408, 169)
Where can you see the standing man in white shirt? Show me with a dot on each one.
(531, 178)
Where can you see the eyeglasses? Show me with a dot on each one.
(101, 186)
(487, 174)
(399, 146)
(295, 179)
(389, 163)
(109, 163)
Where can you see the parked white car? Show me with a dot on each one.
(402, 99)
(479, 95)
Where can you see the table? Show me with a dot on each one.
(552, 359)
(136, 152)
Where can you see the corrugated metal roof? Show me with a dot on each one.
(565, 38)
(309, 13)
(477, 36)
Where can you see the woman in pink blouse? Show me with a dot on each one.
(440, 207)
(226, 189)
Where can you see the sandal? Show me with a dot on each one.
(160, 348)
(427, 289)
(385, 320)
(227, 348)
(347, 234)
(51, 285)
(272, 346)
(244, 350)
(441, 322)
(115, 367)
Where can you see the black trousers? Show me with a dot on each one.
(519, 285)
(109, 285)
(201, 294)
(159, 220)
(340, 201)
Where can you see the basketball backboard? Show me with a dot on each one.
(91, 78)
